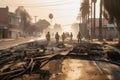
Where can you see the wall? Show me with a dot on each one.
(4, 16)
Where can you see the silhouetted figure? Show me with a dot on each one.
(57, 37)
(63, 37)
(79, 37)
(71, 36)
(48, 37)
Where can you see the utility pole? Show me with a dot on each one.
(35, 18)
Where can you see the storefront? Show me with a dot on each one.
(3, 31)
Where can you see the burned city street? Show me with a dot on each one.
(38, 61)
(59, 39)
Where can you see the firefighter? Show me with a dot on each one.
(63, 37)
(57, 37)
(71, 36)
(48, 37)
(79, 37)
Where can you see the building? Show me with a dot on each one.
(108, 30)
(9, 24)
(4, 22)
(14, 28)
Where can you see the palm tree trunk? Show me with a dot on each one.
(118, 28)
(119, 37)
(94, 21)
(100, 23)
(91, 22)
(25, 26)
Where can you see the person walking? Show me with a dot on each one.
(79, 37)
(48, 37)
(71, 36)
(63, 37)
(57, 37)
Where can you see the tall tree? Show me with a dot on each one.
(91, 33)
(21, 11)
(25, 18)
(41, 25)
(85, 10)
(94, 25)
(50, 17)
(100, 23)
(113, 10)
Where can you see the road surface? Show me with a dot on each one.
(71, 66)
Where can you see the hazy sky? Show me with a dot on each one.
(64, 11)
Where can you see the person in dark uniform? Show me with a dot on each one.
(71, 36)
(57, 37)
(48, 37)
(79, 37)
(63, 37)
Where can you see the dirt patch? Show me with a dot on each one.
(73, 69)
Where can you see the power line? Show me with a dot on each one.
(7, 2)
(45, 2)
(31, 5)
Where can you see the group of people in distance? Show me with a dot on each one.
(63, 37)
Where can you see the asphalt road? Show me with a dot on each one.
(76, 68)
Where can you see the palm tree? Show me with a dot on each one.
(51, 17)
(113, 10)
(100, 23)
(85, 10)
(91, 33)
(94, 24)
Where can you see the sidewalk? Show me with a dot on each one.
(108, 44)
(6, 40)
(104, 41)
(11, 39)
(7, 43)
